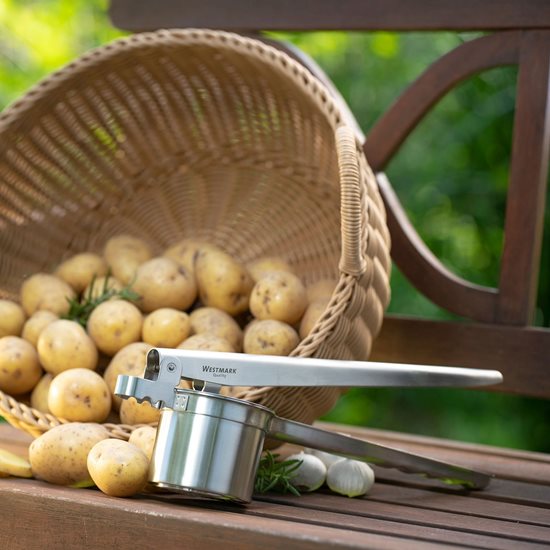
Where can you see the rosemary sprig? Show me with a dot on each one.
(80, 310)
(276, 476)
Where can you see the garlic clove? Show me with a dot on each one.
(328, 459)
(311, 473)
(351, 478)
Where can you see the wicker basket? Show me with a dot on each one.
(192, 133)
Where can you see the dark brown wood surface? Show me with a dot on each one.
(138, 15)
(402, 511)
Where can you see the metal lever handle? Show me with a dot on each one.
(387, 457)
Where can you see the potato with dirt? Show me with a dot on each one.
(12, 318)
(60, 455)
(79, 395)
(114, 324)
(132, 412)
(79, 270)
(64, 345)
(216, 322)
(131, 361)
(36, 323)
(118, 467)
(185, 252)
(270, 337)
(124, 254)
(46, 291)
(223, 282)
(161, 282)
(280, 296)
(20, 368)
(166, 327)
(207, 342)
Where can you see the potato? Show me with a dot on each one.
(130, 360)
(223, 282)
(39, 395)
(132, 412)
(311, 315)
(13, 465)
(100, 285)
(184, 253)
(266, 264)
(79, 270)
(118, 468)
(166, 327)
(207, 342)
(161, 282)
(63, 345)
(124, 254)
(59, 455)
(79, 395)
(280, 296)
(216, 322)
(12, 318)
(144, 438)
(270, 337)
(45, 291)
(115, 324)
(322, 289)
(19, 365)
(36, 323)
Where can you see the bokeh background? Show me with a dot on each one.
(451, 177)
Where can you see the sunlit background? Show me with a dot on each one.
(451, 177)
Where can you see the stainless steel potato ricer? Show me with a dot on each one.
(209, 445)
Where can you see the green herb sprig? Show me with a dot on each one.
(80, 310)
(276, 476)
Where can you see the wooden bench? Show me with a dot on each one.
(403, 511)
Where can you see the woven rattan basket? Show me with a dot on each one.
(192, 133)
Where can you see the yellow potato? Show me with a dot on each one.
(322, 289)
(216, 322)
(63, 345)
(19, 365)
(280, 296)
(14, 465)
(184, 253)
(100, 285)
(264, 265)
(36, 323)
(12, 318)
(79, 270)
(124, 254)
(161, 282)
(115, 324)
(79, 395)
(270, 337)
(39, 395)
(207, 342)
(313, 312)
(166, 327)
(144, 438)
(223, 282)
(59, 455)
(118, 468)
(130, 360)
(45, 291)
(132, 412)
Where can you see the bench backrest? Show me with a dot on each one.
(500, 334)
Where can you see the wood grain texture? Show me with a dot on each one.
(245, 15)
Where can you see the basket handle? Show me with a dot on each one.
(352, 260)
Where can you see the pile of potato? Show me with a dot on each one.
(193, 296)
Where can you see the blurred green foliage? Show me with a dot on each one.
(451, 176)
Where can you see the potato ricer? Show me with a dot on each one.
(209, 445)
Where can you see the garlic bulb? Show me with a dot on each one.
(328, 459)
(311, 473)
(350, 477)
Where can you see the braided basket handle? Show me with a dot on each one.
(353, 226)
